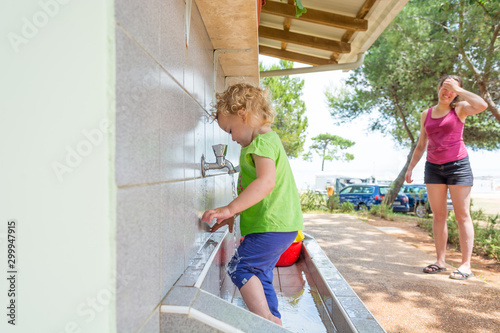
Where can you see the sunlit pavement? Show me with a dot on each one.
(386, 273)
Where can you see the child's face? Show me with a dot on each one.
(238, 126)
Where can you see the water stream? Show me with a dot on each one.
(235, 226)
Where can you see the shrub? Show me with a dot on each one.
(487, 240)
(312, 201)
(333, 202)
(383, 211)
(477, 215)
(347, 207)
(425, 224)
(452, 229)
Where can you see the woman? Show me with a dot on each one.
(447, 168)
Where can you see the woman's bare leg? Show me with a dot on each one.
(460, 196)
(437, 199)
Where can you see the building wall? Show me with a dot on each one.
(164, 89)
(56, 165)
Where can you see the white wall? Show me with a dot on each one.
(57, 86)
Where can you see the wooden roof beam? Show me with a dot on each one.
(361, 15)
(304, 40)
(316, 16)
(287, 55)
(287, 24)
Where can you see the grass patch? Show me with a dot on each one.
(382, 211)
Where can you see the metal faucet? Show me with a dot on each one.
(220, 161)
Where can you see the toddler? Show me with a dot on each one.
(268, 200)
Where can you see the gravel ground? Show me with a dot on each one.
(385, 270)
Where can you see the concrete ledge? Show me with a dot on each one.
(345, 308)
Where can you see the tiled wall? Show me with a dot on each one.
(163, 92)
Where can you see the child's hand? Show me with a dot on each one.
(229, 222)
(220, 214)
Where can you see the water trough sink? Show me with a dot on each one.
(313, 296)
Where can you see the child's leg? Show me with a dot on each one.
(266, 279)
(256, 301)
(254, 261)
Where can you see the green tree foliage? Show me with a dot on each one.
(290, 122)
(400, 75)
(471, 29)
(299, 8)
(330, 147)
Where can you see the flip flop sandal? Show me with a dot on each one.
(433, 269)
(457, 275)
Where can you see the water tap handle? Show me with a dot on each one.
(220, 150)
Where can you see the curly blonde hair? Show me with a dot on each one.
(242, 96)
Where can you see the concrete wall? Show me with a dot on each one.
(56, 165)
(163, 93)
(103, 124)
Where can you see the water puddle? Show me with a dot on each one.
(300, 304)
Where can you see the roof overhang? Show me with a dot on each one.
(330, 33)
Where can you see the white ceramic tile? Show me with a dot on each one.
(172, 129)
(194, 137)
(172, 38)
(141, 19)
(137, 114)
(153, 323)
(138, 255)
(197, 55)
(172, 234)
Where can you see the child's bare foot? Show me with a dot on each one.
(276, 320)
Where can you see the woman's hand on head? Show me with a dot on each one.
(220, 214)
(451, 85)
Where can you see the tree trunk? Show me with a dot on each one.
(485, 94)
(324, 154)
(398, 182)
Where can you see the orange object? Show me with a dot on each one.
(329, 190)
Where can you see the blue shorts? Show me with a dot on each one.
(257, 255)
(452, 173)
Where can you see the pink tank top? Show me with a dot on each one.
(445, 138)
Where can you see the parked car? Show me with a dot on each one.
(417, 199)
(365, 196)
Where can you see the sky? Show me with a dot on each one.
(374, 154)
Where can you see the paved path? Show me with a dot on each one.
(386, 273)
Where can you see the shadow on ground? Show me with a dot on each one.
(386, 273)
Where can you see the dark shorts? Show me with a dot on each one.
(452, 173)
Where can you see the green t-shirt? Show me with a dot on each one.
(280, 210)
